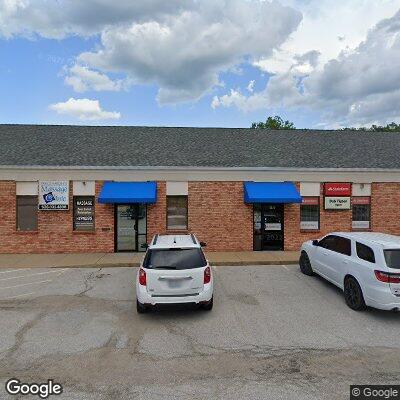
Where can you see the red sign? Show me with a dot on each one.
(361, 200)
(337, 189)
(311, 201)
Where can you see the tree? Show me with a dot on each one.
(273, 123)
(392, 127)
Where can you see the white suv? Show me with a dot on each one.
(365, 265)
(174, 270)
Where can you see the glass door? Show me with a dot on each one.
(130, 227)
(268, 226)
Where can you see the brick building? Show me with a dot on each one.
(106, 189)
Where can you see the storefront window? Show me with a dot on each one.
(177, 212)
(361, 212)
(83, 213)
(27, 213)
(309, 213)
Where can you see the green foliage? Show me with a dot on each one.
(277, 123)
(273, 123)
(392, 127)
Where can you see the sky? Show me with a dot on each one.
(322, 64)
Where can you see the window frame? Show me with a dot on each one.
(73, 214)
(318, 205)
(352, 213)
(17, 217)
(186, 197)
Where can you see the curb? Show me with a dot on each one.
(137, 264)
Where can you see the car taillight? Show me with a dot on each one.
(142, 277)
(386, 277)
(207, 275)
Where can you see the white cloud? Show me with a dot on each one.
(58, 19)
(185, 53)
(359, 87)
(82, 79)
(328, 27)
(84, 109)
(328, 58)
(179, 45)
(250, 86)
(363, 85)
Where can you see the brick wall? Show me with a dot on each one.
(216, 214)
(219, 216)
(385, 206)
(330, 220)
(385, 216)
(157, 213)
(55, 228)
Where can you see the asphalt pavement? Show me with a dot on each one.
(273, 334)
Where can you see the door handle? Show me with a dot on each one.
(345, 262)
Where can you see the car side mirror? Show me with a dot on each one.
(315, 242)
(144, 245)
(203, 244)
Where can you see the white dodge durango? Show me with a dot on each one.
(174, 270)
(365, 265)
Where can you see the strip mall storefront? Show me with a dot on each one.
(68, 215)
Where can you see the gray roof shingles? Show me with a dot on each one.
(70, 145)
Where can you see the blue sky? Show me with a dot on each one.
(210, 63)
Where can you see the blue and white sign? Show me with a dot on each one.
(53, 195)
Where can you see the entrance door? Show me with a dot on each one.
(268, 226)
(131, 226)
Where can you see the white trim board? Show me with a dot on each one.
(199, 174)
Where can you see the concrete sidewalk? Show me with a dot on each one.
(103, 260)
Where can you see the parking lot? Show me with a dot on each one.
(273, 333)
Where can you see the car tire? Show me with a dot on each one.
(208, 306)
(305, 264)
(353, 294)
(141, 308)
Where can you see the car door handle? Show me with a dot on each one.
(345, 262)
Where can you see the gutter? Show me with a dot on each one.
(192, 168)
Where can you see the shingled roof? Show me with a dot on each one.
(133, 146)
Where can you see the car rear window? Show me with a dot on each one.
(392, 258)
(174, 259)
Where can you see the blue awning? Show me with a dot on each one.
(128, 192)
(271, 192)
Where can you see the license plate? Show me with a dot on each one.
(174, 284)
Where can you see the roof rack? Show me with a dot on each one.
(155, 239)
(193, 238)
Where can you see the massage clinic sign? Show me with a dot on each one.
(337, 196)
(53, 195)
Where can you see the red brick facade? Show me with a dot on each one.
(217, 214)
(55, 228)
(330, 220)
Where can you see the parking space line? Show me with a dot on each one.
(25, 284)
(14, 270)
(26, 276)
(63, 270)
(18, 295)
